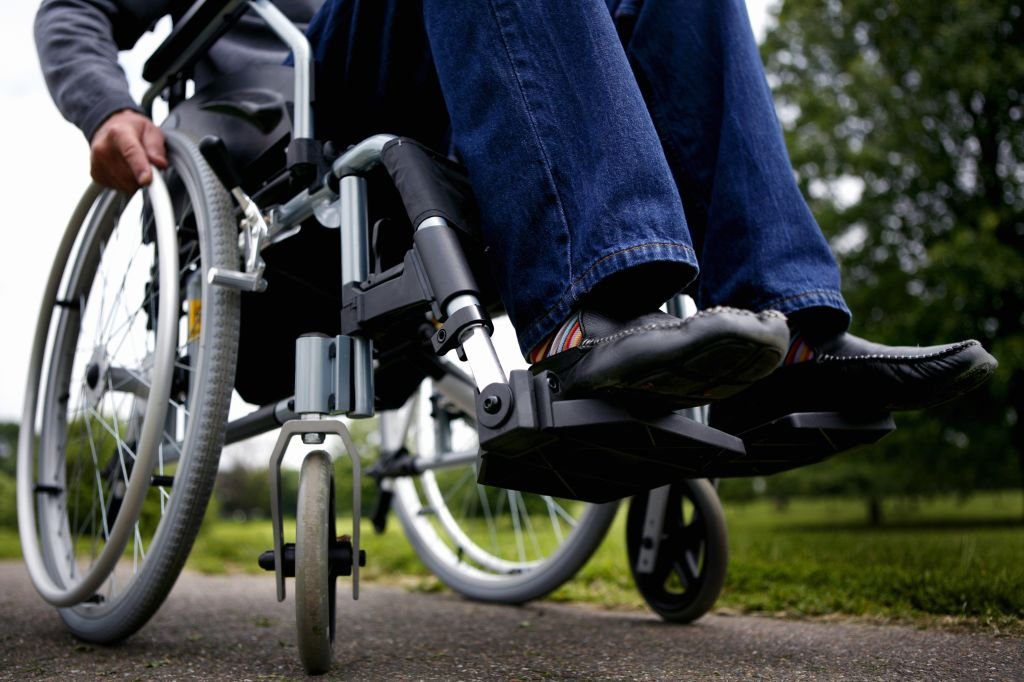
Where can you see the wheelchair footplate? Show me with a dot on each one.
(586, 449)
(595, 451)
(803, 438)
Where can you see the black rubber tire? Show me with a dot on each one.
(314, 596)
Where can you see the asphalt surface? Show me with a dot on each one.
(232, 628)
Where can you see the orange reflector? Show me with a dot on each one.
(195, 319)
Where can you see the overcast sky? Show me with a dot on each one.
(44, 171)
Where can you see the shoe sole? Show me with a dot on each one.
(689, 384)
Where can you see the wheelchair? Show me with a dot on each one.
(159, 306)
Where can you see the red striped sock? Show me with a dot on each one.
(568, 335)
(799, 350)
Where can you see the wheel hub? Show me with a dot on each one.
(94, 379)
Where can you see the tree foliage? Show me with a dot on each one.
(904, 123)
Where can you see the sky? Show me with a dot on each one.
(45, 170)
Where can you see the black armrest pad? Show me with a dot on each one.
(203, 23)
(431, 185)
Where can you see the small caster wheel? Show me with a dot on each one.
(681, 577)
(314, 582)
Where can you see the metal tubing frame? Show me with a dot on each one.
(288, 431)
(355, 259)
(476, 340)
(302, 125)
(262, 420)
(358, 160)
(156, 405)
(294, 39)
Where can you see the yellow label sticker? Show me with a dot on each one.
(195, 319)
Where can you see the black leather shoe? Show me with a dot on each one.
(660, 360)
(850, 374)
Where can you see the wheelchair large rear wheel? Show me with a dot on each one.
(98, 379)
(486, 543)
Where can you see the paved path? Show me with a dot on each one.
(231, 628)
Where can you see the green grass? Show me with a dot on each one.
(933, 561)
(10, 546)
(225, 546)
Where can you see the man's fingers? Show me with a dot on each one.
(135, 157)
(110, 170)
(123, 149)
(153, 141)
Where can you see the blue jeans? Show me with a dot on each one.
(623, 142)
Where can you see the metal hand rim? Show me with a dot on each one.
(156, 405)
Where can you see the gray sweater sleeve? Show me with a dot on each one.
(78, 42)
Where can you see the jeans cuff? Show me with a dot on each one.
(818, 314)
(815, 298)
(602, 267)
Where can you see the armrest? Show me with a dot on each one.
(198, 28)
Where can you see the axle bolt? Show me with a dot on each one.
(492, 404)
(92, 375)
(553, 383)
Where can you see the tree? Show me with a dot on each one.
(904, 123)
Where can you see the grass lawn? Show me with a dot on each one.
(933, 560)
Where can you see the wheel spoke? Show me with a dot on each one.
(662, 570)
(103, 338)
(139, 550)
(101, 271)
(459, 484)
(99, 483)
(692, 564)
(681, 570)
(514, 512)
(112, 432)
(492, 530)
(528, 523)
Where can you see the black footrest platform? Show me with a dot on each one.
(594, 451)
(598, 453)
(589, 449)
(803, 438)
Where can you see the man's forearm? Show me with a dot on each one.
(78, 42)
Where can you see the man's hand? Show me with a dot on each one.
(122, 150)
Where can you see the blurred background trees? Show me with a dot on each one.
(904, 122)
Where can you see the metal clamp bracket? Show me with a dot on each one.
(323, 374)
(450, 334)
(288, 431)
(657, 500)
(251, 242)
